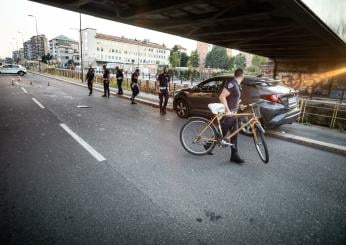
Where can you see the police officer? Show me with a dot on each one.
(230, 97)
(119, 76)
(106, 80)
(163, 83)
(134, 86)
(90, 76)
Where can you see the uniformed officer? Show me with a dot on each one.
(90, 76)
(106, 80)
(163, 83)
(119, 76)
(134, 86)
(230, 97)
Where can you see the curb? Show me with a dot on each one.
(142, 101)
(338, 149)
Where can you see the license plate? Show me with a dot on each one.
(292, 100)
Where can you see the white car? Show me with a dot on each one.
(13, 69)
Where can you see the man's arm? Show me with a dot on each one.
(223, 99)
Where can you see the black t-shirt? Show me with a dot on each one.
(106, 74)
(119, 75)
(164, 80)
(90, 75)
(134, 77)
(233, 99)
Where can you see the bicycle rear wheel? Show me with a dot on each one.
(194, 141)
(260, 144)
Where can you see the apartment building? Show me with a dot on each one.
(64, 49)
(101, 49)
(35, 47)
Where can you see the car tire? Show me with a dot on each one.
(21, 73)
(182, 109)
(246, 130)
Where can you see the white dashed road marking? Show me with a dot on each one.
(86, 146)
(24, 90)
(38, 103)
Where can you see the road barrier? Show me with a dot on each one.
(323, 112)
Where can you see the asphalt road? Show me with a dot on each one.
(148, 190)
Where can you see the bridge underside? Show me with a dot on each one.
(282, 30)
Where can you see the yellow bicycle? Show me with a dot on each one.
(199, 135)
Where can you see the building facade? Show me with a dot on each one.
(101, 49)
(35, 47)
(18, 55)
(64, 50)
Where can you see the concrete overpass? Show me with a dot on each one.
(285, 30)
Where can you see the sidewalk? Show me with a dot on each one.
(322, 138)
(309, 135)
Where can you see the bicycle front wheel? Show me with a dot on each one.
(260, 144)
(198, 137)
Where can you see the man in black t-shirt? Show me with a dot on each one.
(119, 76)
(106, 80)
(134, 86)
(90, 79)
(230, 98)
(163, 84)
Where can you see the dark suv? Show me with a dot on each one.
(278, 103)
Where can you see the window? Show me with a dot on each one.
(66, 57)
(101, 49)
(98, 49)
(211, 85)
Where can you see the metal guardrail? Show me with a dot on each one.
(332, 111)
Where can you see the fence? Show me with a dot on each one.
(147, 86)
(322, 112)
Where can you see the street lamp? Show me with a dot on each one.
(38, 49)
(81, 44)
(22, 42)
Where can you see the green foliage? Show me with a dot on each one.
(174, 58)
(217, 58)
(194, 59)
(256, 62)
(237, 61)
(184, 58)
(46, 58)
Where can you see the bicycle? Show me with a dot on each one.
(199, 135)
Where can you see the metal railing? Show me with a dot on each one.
(323, 112)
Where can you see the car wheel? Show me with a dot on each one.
(247, 130)
(21, 73)
(182, 109)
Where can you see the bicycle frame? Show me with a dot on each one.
(252, 122)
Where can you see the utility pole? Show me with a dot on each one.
(37, 43)
(81, 45)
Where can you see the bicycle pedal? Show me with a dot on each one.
(224, 143)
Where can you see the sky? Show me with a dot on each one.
(53, 22)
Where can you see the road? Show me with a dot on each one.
(148, 190)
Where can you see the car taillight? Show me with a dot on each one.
(272, 98)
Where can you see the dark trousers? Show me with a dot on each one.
(90, 87)
(163, 95)
(135, 90)
(230, 124)
(120, 88)
(106, 88)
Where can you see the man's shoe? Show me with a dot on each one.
(104, 95)
(206, 147)
(236, 158)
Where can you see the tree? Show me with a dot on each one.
(46, 58)
(184, 58)
(257, 61)
(194, 59)
(238, 61)
(174, 59)
(217, 58)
